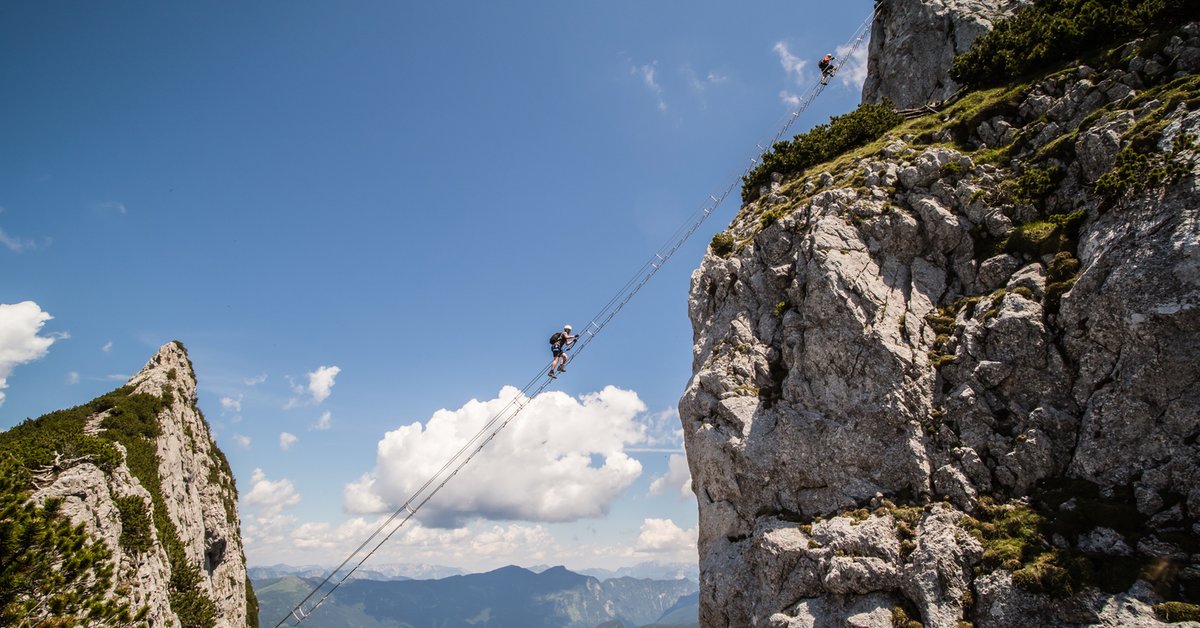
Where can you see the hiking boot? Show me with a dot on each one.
(562, 369)
(552, 375)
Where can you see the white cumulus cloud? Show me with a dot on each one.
(73, 377)
(320, 382)
(320, 386)
(678, 479)
(562, 460)
(243, 441)
(663, 536)
(325, 422)
(268, 498)
(20, 324)
(286, 440)
(853, 72)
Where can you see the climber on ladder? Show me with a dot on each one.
(827, 68)
(560, 342)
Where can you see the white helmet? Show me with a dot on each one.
(567, 327)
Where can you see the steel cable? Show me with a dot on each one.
(536, 385)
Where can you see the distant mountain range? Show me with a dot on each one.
(422, 571)
(510, 596)
(653, 571)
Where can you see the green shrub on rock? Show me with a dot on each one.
(824, 142)
(1049, 32)
(722, 244)
(1046, 237)
(1136, 170)
(51, 572)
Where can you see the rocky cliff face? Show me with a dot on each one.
(953, 377)
(913, 43)
(190, 483)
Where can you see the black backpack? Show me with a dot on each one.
(556, 338)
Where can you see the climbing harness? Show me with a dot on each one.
(407, 510)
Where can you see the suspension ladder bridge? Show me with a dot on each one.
(406, 511)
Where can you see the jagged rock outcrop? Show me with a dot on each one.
(957, 379)
(197, 491)
(913, 43)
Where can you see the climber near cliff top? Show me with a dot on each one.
(827, 68)
(560, 342)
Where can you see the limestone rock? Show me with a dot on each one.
(913, 43)
(89, 495)
(928, 359)
(198, 492)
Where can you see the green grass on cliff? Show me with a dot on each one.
(1017, 536)
(1172, 612)
(1013, 539)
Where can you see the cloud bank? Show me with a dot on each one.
(479, 546)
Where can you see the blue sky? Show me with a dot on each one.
(356, 216)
